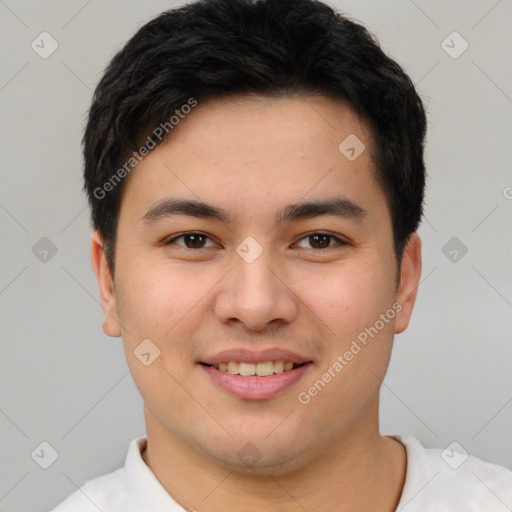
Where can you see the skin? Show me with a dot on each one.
(252, 156)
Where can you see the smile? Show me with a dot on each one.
(243, 381)
(260, 369)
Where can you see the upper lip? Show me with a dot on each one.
(261, 356)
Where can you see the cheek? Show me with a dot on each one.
(358, 342)
(155, 299)
(346, 298)
(156, 304)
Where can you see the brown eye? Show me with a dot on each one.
(191, 240)
(322, 241)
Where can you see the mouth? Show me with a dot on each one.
(264, 369)
(250, 376)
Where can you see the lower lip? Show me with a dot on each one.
(253, 387)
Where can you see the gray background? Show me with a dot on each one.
(65, 382)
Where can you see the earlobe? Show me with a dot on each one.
(410, 273)
(108, 297)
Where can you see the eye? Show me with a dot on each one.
(322, 240)
(191, 240)
(195, 240)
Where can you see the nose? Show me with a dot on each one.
(256, 295)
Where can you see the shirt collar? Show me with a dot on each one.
(146, 492)
(417, 473)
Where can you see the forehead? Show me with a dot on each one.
(252, 121)
(254, 151)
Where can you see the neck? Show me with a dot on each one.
(362, 471)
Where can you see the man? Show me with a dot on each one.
(256, 178)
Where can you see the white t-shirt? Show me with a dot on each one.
(436, 481)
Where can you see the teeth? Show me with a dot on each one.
(278, 366)
(233, 367)
(248, 369)
(265, 369)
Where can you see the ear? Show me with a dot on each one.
(106, 285)
(410, 273)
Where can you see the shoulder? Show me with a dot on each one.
(450, 478)
(132, 488)
(104, 493)
(109, 492)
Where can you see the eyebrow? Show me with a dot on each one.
(337, 206)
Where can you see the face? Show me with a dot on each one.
(248, 278)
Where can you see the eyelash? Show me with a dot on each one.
(331, 236)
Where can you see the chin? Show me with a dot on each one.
(259, 459)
